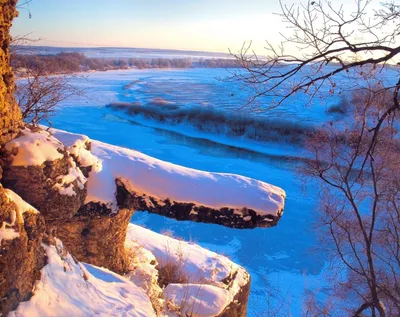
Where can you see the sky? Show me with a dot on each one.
(206, 25)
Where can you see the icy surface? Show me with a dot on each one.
(277, 257)
(67, 288)
(146, 175)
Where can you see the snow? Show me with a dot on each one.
(204, 270)
(21, 204)
(37, 147)
(146, 175)
(76, 144)
(34, 148)
(7, 234)
(67, 288)
(198, 263)
(142, 269)
(20, 207)
(204, 294)
(64, 182)
(197, 300)
(258, 250)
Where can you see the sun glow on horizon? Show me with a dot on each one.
(207, 25)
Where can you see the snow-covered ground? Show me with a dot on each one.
(204, 291)
(71, 288)
(279, 256)
(68, 288)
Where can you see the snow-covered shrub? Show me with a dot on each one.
(213, 120)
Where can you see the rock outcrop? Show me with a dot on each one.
(21, 254)
(10, 114)
(55, 187)
(240, 219)
(193, 279)
(96, 235)
(48, 175)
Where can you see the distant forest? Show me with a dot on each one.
(77, 62)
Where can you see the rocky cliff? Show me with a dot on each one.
(10, 114)
(86, 192)
(21, 258)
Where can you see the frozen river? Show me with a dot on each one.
(277, 258)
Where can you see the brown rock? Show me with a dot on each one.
(10, 114)
(96, 236)
(238, 306)
(21, 258)
(36, 185)
(229, 217)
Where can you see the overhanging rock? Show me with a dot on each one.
(127, 179)
(234, 218)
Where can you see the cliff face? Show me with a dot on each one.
(10, 114)
(96, 236)
(22, 257)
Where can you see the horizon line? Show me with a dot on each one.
(124, 47)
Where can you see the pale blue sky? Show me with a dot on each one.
(213, 25)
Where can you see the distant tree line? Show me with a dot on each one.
(77, 62)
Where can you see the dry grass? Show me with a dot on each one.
(209, 119)
(171, 273)
(340, 108)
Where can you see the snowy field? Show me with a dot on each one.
(277, 258)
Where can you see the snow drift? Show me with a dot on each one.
(67, 288)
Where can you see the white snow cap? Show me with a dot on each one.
(162, 180)
(34, 148)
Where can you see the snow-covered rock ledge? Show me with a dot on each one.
(85, 193)
(196, 282)
(124, 178)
